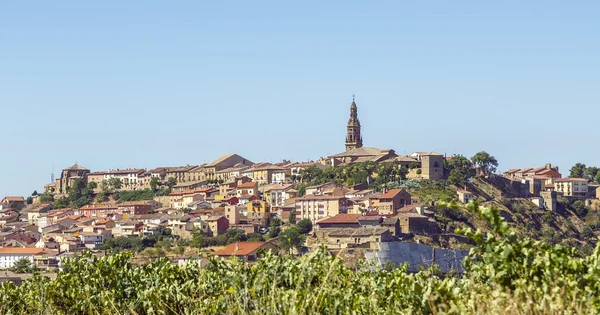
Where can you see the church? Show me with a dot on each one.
(431, 163)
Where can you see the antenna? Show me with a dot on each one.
(52, 175)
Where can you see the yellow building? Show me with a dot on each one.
(315, 207)
(258, 211)
(571, 187)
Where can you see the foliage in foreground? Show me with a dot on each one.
(503, 274)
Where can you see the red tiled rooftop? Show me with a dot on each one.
(239, 248)
(247, 185)
(390, 194)
(341, 218)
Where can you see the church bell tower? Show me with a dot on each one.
(353, 137)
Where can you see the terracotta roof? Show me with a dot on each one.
(280, 187)
(570, 180)
(135, 203)
(364, 151)
(409, 208)
(462, 191)
(14, 198)
(342, 218)
(26, 251)
(98, 207)
(75, 167)
(411, 215)
(390, 194)
(247, 185)
(321, 197)
(240, 248)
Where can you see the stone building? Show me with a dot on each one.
(68, 177)
(353, 137)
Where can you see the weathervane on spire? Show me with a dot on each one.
(353, 97)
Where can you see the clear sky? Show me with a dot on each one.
(117, 84)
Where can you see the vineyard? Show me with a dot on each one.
(504, 275)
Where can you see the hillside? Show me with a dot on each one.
(523, 217)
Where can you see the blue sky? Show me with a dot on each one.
(116, 84)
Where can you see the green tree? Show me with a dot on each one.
(301, 189)
(590, 173)
(34, 193)
(274, 231)
(275, 222)
(577, 171)
(597, 179)
(46, 197)
(255, 237)
(486, 163)
(198, 239)
(292, 217)
(154, 183)
(23, 266)
(171, 181)
(459, 169)
(579, 208)
(115, 183)
(61, 202)
(291, 238)
(29, 200)
(304, 226)
(587, 232)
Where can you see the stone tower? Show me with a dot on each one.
(353, 137)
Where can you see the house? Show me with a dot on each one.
(370, 220)
(131, 179)
(52, 216)
(362, 154)
(217, 225)
(33, 214)
(464, 196)
(321, 189)
(246, 251)
(547, 170)
(270, 174)
(137, 207)
(392, 224)
(413, 222)
(245, 199)
(9, 256)
(13, 202)
(97, 210)
(391, 201)
(365, 237)
(224, 162)
(278, 194)
(571, 187)
(247, 189)
(342, 220)
(315, 207)
(297, 168)
(284, 212)
(94, 240)
(258, 211)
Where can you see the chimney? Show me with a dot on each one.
(237, 247)
(548, 166)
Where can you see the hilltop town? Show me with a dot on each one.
(358, 202)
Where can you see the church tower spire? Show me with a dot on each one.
(353, 137)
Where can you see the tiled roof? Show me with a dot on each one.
(342, 218)
(320, 197)
(14, 199)
(390, 194)
(19, 250)
(280, 187)
(247, 185)
(76, 167)
(570, 180)
(364, 151)
(240, 248)
(409, 208)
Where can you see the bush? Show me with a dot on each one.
(548, 217)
